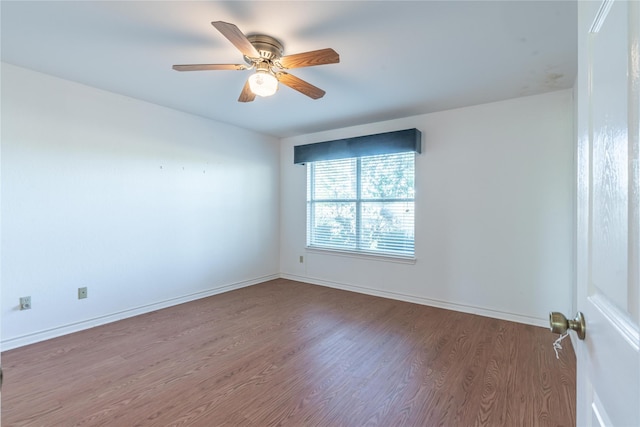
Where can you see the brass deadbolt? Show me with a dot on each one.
(559, 324)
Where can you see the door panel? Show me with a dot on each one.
(609, 178)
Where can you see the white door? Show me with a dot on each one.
(608, 219)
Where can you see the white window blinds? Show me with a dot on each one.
(363, 204)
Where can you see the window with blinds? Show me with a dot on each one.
(363, 204)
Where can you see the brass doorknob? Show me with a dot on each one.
(559, 324)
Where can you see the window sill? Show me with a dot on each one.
(362, 255)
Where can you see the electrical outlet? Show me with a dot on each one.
(82, 293)
(25, 303)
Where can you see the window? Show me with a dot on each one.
(363, 204)
(360, 192)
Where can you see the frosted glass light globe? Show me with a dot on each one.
(263, 83)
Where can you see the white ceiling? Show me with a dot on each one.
(397, 59)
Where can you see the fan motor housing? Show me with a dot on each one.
(269, 48)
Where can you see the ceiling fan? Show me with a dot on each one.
(264, 53)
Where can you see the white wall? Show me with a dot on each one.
(145, 206)
(494, 213)
(150, 207)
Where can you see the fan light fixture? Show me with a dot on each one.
(264, 54)
(263, 83)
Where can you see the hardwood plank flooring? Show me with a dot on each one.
(285, 353)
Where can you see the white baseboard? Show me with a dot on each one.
(113, 317)
(480, 311)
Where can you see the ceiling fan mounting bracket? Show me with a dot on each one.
(269, 48)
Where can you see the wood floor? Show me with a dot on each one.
(288, 353)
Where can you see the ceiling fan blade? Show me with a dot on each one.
(205, 67)
(246, 95)
(309, 59)
(300, 85)
(235, 36)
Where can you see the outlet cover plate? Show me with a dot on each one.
(82, 293)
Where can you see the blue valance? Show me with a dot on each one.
(401, 141)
